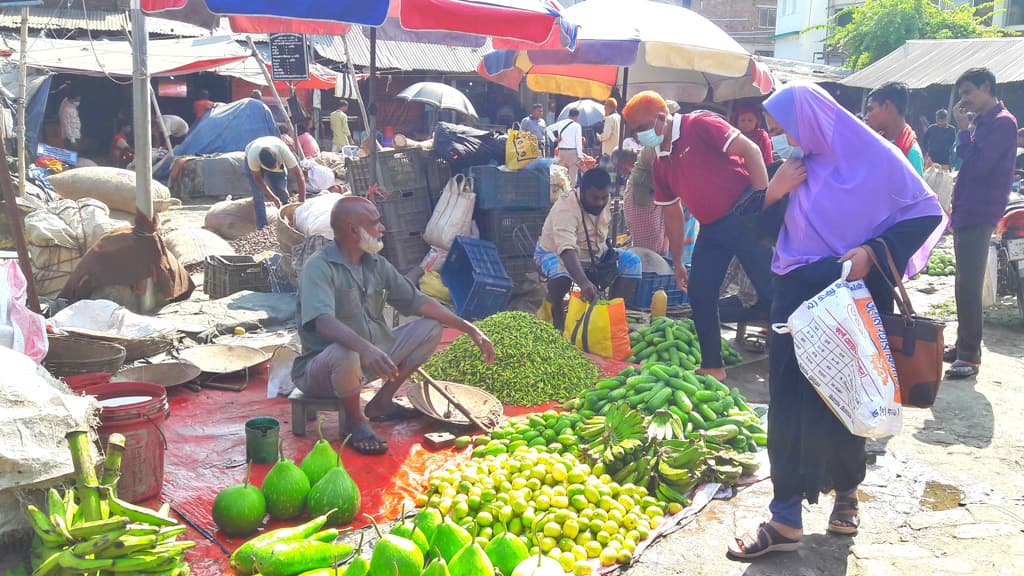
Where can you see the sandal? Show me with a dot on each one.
(766, 540)
(962, 369)
(844, 521)
(365, 442)
(949, 354)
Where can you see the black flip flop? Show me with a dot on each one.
(949, 354)
(844, 520)
(363, 434)
(397, 412)
(961, 370)
(766, 540)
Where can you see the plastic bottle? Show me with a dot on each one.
(659, 302)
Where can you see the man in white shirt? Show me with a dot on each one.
(70, 122)
(570, 146)
(268, 158)
(609, 137)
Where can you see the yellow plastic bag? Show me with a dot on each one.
(544, 312)
(431, 285)
(599, 327)
(521, 148)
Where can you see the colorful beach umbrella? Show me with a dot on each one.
(510, 67)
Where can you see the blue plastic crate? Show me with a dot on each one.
(522, 189)
(476, 278)
(651, 283)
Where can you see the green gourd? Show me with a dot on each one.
(427, 520)
(407, 529)
(338, 491)
(472, 561)
(321, 459)
(449, 539)
(394, 555)
(242, 557)
(437, 567)
(507, 551)
(295, 556)
(539, 565)
(239, 510)
(286, 488)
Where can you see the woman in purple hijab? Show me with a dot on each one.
(860, 191)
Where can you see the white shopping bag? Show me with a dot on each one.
(989, 290)
(843, 351)
(453, 215)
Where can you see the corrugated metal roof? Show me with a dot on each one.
(392, 55)
(59, 18)
(924, 63)
(789, 70)
(41, 17)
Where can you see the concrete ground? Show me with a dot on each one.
(945, 496)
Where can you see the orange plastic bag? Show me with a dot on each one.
(599, 327)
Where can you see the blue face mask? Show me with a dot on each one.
(649, 138)
(785, 150)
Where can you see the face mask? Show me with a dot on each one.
(650, 138)
(786, 151)
(368, 243)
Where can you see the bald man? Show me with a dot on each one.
(345, 339)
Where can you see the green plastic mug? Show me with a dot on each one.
(261, 439)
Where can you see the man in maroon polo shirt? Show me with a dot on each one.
(720, 175)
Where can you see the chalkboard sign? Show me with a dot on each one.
(289, 59)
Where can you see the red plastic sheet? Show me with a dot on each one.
(206, 453)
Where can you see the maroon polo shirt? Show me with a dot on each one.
(699, 171)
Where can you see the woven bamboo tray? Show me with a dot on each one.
(69, 356)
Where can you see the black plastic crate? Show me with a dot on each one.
(404, 210)
(405, 250)
(399, 170)
(514, 232)
(439, 172)
(519, 269)
(521, 189)
(225, 275)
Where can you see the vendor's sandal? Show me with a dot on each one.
(364, 441)
(845, 520)
(713, 372)
(766, 540)
(396, 412)
(949, 354)
(962, 369)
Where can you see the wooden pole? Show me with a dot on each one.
(22, 102)
(14, 217)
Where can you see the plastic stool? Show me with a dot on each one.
(305, 408)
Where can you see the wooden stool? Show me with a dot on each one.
(305, 408)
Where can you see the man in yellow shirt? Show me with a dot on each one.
(339, 127)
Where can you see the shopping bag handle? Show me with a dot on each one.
(584, 322)
(899, 291)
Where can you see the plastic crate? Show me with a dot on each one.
(476, 278)
(514, 232)
(439, 172)
(225, 275)
(399, 170)
(522, 189)
(405, 250)
(518, 267)
(651, 283)
(405, 210)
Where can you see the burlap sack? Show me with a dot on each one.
(232, 219)
(193, 245)
(112, 186)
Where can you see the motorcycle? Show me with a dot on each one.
(1010, 271)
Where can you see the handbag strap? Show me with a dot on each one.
(899, 291)
(586, 233)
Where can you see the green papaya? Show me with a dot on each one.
(285, 487)
(336, 490)
(319, 461)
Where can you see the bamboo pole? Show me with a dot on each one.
(14, 217)
(22, 102)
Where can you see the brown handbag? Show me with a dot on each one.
(916, 342)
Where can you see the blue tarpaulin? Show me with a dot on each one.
(225, 128)
(34, 111)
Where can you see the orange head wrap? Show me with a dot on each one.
(643, 107)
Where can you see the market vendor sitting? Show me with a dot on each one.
(572, 247)
(345, 339)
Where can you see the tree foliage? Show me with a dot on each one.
(877, 27)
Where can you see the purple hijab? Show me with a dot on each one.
(858, 184)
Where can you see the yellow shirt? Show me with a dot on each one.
(563, 228)
(339, 127)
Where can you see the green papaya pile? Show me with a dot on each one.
(674, 342)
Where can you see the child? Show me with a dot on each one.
(747, 117)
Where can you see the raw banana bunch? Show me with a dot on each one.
(621, 436)
(664, 425)
(128, 539)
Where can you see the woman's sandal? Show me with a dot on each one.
(844, 521)
(949, 354)
(766, 540)
(962, 369)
